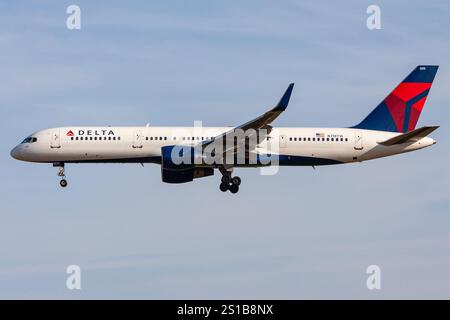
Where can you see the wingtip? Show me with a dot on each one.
(284, 101)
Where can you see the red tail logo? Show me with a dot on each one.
(70, 133)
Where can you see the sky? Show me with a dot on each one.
(299, 234)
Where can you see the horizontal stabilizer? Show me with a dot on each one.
(411, 136)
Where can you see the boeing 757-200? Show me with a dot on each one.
(188, 153)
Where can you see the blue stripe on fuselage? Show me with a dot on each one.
(283, 160)
(289, 160)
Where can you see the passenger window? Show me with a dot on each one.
(309, 139)
(76, 138)
(328, 139)
(71, 138)
(346, 139)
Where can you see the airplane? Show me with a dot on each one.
(390, 129)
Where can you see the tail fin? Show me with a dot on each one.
(400, 110)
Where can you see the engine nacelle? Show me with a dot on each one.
(177, 165)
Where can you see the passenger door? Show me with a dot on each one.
(137, 140)
(55, 140)
(358, 140)
(283, 141)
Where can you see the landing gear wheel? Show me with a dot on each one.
(226, 179)
(223, 187)
(234, 188)
(63, 183)
(61, 173)
(236, 181)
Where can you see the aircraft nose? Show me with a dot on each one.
(15, 153)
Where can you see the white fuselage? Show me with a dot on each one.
(296, 146)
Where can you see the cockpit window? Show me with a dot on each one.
(29, 140)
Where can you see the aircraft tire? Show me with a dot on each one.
(234, 188)
(223, 187)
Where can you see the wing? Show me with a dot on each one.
(261, 122)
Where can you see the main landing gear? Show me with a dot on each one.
(61, 173)
(229, 182)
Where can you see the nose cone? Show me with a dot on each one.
(15, 153)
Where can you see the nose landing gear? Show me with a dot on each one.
(61, 173)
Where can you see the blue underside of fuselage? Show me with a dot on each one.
(286, 160)
(283, 160)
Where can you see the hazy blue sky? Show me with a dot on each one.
(298, 234)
